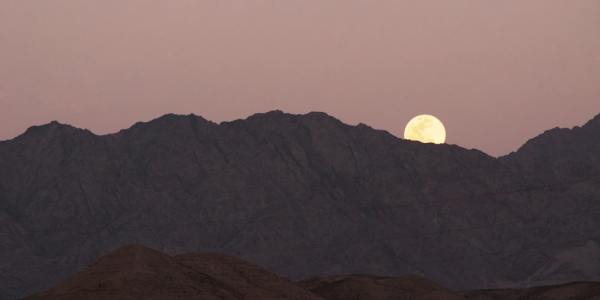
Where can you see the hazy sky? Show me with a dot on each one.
(495, 72)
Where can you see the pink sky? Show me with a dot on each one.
(495, 72)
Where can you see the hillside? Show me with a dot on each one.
(302, 195)
(136, 272)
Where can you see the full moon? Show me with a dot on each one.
(425, 129)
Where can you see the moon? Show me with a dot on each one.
(425, 129)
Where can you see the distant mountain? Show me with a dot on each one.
(302, 195)
(562, 155)
(136, 272)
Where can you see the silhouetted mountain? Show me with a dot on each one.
(562, 155)
(302, 195)
(136, 272)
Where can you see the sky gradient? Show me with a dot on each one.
(495, 72)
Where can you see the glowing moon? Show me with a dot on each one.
(425, 129)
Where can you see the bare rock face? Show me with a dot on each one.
(136, 272)
(562, 155)
(363, 287)
(302, 195)
(565, 166)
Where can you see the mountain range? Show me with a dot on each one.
(303, 196)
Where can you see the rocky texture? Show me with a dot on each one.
(368, 287)
(564, 215)
(562, 155)
(135, 272)
(302, 195)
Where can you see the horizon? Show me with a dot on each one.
(287, 113)
(299, 142)
(495, 73)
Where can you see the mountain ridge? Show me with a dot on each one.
(171, 119)
(595, 121)
(302, 195)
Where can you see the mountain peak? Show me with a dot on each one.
(171, 117)
(52, 128)
(314, 117)
(273, 114)
(166, 123)
(50, 125)
(562, 138)
(138, 272)
(594, 122)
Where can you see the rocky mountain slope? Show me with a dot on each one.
(302, 195)
(136, 272)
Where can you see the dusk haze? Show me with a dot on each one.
(495, 72)
(300, 150)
